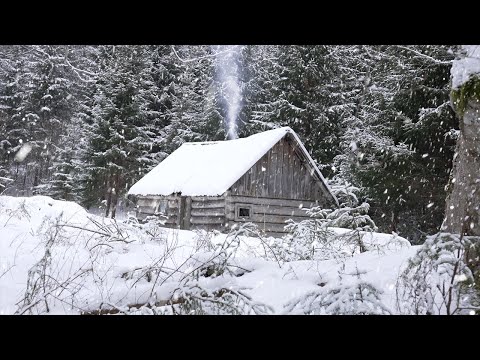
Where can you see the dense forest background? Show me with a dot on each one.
(92, 120)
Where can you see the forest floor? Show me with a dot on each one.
(57, 258)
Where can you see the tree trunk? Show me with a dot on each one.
(462, 214)
(116, 186)
(109, 195)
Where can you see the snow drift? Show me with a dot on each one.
(56, 258)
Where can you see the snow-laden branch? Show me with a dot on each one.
(76, 70)
(436, 61)
(198, 58)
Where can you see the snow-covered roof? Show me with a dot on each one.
(211, 168)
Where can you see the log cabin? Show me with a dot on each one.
(266, 179)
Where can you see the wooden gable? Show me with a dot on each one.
(284, 172)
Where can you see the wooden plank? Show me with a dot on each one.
(264, 174)
(284, 169)
(154, 202)
(293, 192)
(188, 210)
(300, 174)
(217, 204)
(208, 212)
(234, 188)
(306, 187)
(271, 201)
(253, 180)
(157, 197)
(269, 210)
(275, 219)
(286, 173)
(301, 181)
(273, 171)
(241, 186)
(259, 179)
(313, 186)
(181, 214)
(291, 169)
(207, 198)
(279, 210)
(279, 171)
(206, 220)
(305, 183)
(298, 179)
(269, 175)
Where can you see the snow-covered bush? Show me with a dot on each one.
(208, 284)
(345, 297)
(314, 238)
(153, 226)
(4, 182)
(351, 214)
(47, 283)
(204, 240)
(307, 240)
(361, 298)
(191, 298)
(438, 279)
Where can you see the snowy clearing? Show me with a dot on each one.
(58, 259)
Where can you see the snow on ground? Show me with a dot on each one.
(91, 262)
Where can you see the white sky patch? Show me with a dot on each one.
(23, 152)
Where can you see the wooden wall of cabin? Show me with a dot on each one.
(207, 212)
(275, 189)
(270, 215)
(218, 213)
(146, 206)
(282, 173)
(186, 212)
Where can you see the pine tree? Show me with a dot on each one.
(398, 104)
(292, 87)
(120, 139)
